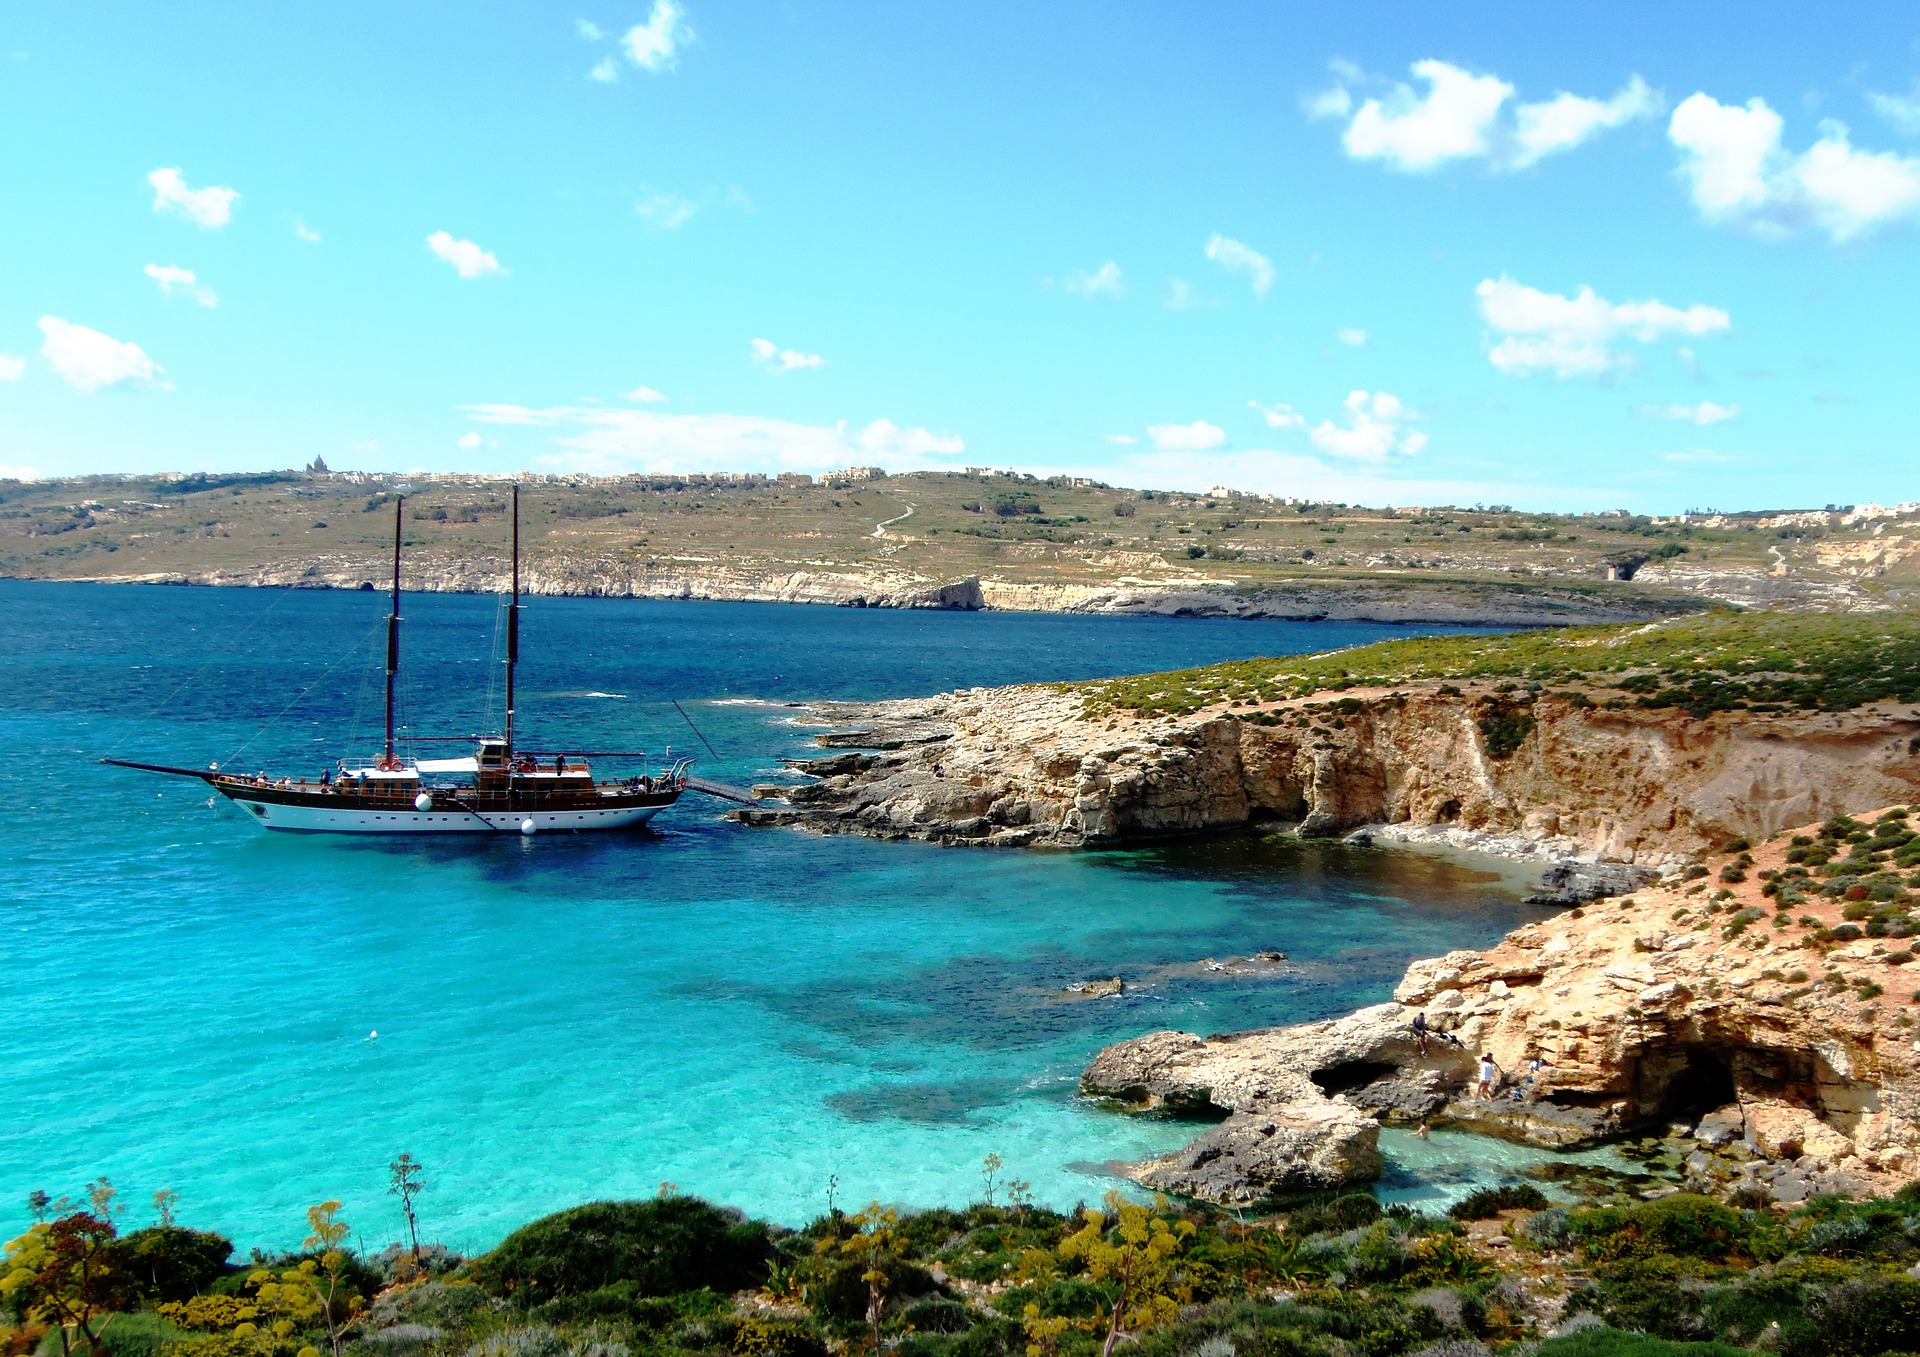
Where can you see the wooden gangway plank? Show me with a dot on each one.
(723, 790)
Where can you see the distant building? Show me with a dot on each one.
(795, 478)
(856, 473)
(318, 467)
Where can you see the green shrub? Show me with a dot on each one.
(1686, 1225)
(777, 1338)
(1602, 1341)
(664, 1246)
(168, 1262)
(937, 1314)
(1338, 1215)
(1489, 1202)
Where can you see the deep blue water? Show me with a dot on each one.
(188, 1001)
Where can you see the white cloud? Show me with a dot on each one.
(1183, 296)
(1566, 120)
(1125, 440)
(1279, 416)
(172, 279)
(653, 46)
(468, 259)
(605, 440)
(1574, 336)
(1351, 337)
(305, 232)
(1375, 428)
(884, 437)
(468, 440)
(770, 355)
(12, 369)
(588, 30)
(1463, 116)
(210, 206)
(1198, 436)
(668, 211)
(9, 472)
(1453, 120)
(606, 70)
(1236, 257)
(1696, 455)
(1738, 173)
(88, 360)
(1902, 111)
(1103, 281)
(1706, 413)
(643, 393)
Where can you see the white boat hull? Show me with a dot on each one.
(340, 820)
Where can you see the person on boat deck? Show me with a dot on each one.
(326, 778)
(559, 763)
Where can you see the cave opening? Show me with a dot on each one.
(1684, 1083)
(1349, 1075)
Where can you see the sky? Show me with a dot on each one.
(1571, 257)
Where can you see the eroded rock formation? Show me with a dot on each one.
(1029, 766)
(1776, 1039)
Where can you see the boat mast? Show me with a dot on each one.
(513, 621)
(393, 627)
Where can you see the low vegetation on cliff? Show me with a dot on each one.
(1718, 661)
(677, 1277)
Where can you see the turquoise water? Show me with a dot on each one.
(190, 1002)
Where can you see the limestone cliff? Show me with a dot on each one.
(1683, 1000)
(1029, 766)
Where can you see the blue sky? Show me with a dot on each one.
(1368, 252)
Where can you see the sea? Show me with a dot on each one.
(772, 1019)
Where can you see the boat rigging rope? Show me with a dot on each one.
(214, 655)
(298, 697)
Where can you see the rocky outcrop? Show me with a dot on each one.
(1030, 766)
(1788, 1051)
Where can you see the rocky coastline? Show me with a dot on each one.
(1637, 789)
(1777, 1037)
(1780, 1040)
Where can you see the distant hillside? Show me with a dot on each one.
(922, 540)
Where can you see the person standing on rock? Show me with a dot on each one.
(1489, 1077)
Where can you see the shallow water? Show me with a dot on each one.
(757, 1016)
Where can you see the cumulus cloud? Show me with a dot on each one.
(1577, 336)
(1125, 440)
(178, 281)
(1183, 296)
(655, 44)
(1105, 281)
(645, 394)
(211, 206)
(606, 70)
(1236, 257)
(588, 30)
(467, 258)
(1351, 337)
(1901, 111)
(1463, 116)
(770, 355)
(1375, 429)
(1279, 416)
(88, 360)
(468, 440)
(605, 440)
(1706, 413)
(1198, 436)
(1739, 173)
(12, 369)
(305, 232)
(668, 211)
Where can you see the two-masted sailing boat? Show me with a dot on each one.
(498, 788)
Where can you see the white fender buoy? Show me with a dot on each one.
(526, 827)
(424, 801)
